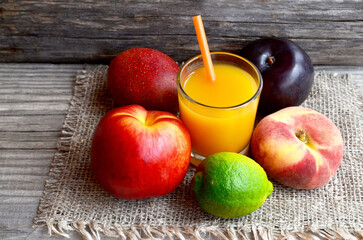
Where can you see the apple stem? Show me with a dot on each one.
(301, 135)
(270, 60)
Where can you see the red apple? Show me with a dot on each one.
(146, 77)
(140, 154)
(298, 147)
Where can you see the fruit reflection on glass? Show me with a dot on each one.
(218, 101)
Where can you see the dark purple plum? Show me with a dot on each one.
(286, 69)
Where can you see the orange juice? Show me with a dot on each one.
(219, 114)
(232, 86)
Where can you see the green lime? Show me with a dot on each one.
(230, 185)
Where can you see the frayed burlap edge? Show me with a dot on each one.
(63, 147)
(92, 230)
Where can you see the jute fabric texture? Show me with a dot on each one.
(74, 201)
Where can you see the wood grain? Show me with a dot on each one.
(34, 99)
(95, 31)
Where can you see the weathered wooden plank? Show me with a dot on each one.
(34, 81)
(25, 162)
(32, 91)
(23, 139)
(20, 186)
(32, 155)
(32, 179)
(95, 31)
(15, 144)
(11, 192)
(34, 123)
(23, 73)
(8, 80)
(11, 86)
(29, 171)
(321, 51)
(33, 98)
(13, 218)
(41, 68)
(14, 139)
(105, 19)
(30, 126)
(33, 108)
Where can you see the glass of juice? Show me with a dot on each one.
(219, 114)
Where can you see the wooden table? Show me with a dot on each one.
(34, 99)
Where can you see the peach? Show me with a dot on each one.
(298, 147)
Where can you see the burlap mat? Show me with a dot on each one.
(73, 199)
